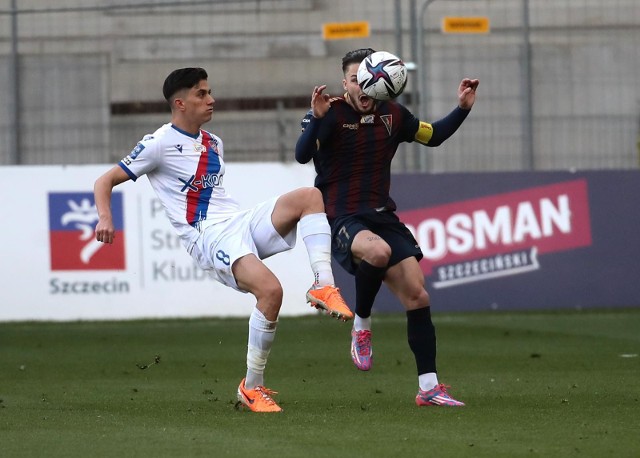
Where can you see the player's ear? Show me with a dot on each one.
(178, 104)
(344, 84)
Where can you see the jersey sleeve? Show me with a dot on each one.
(142, 159)
(306, 120)
(306, 146)
(444, 128)
(314, 133)
(409, 126)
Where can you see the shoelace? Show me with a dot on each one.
(442, 387)
(266, 394)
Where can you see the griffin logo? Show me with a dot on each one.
(72, 219)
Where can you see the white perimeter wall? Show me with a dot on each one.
(149, 286)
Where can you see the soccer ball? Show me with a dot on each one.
(382, 76)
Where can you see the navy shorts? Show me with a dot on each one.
(385, 224)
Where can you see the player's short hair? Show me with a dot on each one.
(182, 78)
(355, 57)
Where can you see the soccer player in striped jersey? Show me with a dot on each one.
(185, 167)
(352, 140)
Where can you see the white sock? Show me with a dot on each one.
(361, 324)
(261, 335)
(428, 381)
(316, 234)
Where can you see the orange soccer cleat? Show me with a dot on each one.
(258, 399)
(329, 299)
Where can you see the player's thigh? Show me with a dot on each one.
(369, 246)
(290, 207)
(406, 280)
(267, 239)
(343, 231)
(221, 245)
(253, 276)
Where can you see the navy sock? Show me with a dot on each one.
(422, 339)
(368, 282)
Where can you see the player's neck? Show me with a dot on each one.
(185, 126)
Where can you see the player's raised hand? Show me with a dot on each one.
(467, 93)
(320, 102)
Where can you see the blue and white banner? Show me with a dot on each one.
(53, 268)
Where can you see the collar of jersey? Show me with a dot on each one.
(186, 133)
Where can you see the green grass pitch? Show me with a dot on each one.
(551, 384)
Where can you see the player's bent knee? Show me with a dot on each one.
(270, 303)
(273, 292)
(424, 299)
(416, 298)
(379, 254)
(307, 200)
(371, 248)
(315, 193)
(313, 197)
(268, 291)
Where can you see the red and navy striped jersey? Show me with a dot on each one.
(354, 153)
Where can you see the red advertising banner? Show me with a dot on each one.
(500, 234)
(521, 240)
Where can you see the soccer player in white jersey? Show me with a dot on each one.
(185, 167)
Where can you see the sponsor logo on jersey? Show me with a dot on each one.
(208, 180)
(178, 147)
(73, 246)
(500, 235)
(353, 126)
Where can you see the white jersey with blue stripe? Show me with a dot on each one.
(186, 173)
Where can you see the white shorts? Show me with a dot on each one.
(249, 231)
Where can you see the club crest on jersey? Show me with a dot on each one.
(387, 120)
(367, 119)
(213, 144)
(199, 148)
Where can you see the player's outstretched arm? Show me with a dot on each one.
(102, 189)
(435, 134)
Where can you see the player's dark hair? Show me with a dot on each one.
(355, 57)
(182, 78)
